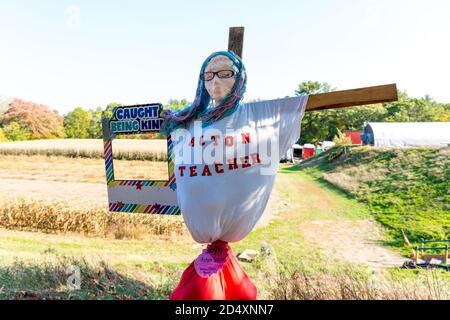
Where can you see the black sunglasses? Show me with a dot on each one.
(222, 74)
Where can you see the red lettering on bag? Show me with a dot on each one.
(229, 141)
(201, 141)
(245, 163)
(215, 138)
(182, 170)
(191, 144)
(206, 171)
(193, 171)
(232, 164)
(255, 158)
(216, 167)
(245, 137)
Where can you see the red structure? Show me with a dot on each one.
(308, 151)
(355, 136)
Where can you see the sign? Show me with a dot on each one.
(138, 196)
(136, 119)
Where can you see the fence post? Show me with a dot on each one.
(446, 254)
(417, 255)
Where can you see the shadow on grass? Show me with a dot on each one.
(50, 279)
(317, 177)
(392, 243)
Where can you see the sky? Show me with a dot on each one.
(67, 54)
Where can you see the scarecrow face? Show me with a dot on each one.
(224, 78)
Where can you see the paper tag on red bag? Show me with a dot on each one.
(212, 259)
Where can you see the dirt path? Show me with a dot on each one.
(331, 223)
(80, 194)
(353, 241)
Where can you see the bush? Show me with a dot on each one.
(14, 132)
(341, 139)
(77, 124)
(27, 120)
(2, 136)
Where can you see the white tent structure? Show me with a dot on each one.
(407, 134)
(297, 152)
(294, 154)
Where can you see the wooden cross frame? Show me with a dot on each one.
(330, 100)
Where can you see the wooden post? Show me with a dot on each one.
(236, 40)
(106, 132)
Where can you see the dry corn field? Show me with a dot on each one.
(60, 186)
(125, 149)
(77, 170)
(57, 217)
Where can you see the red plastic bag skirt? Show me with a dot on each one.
(215, 275)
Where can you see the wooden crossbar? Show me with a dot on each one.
(352, 97)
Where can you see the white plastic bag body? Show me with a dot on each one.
(222, 196)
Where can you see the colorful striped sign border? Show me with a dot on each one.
(138, 184)
(143, 208)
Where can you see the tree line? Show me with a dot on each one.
(21, 120)
(326, 124)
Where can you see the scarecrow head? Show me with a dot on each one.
(220, 88)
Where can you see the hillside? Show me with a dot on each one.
(403, 188)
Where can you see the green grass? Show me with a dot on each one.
(402, 188)
(163, 261)
(99, 280)
(302, 200)
(33, 265)
(36, 263)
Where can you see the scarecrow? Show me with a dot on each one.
(227, 154)
(222, 158)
